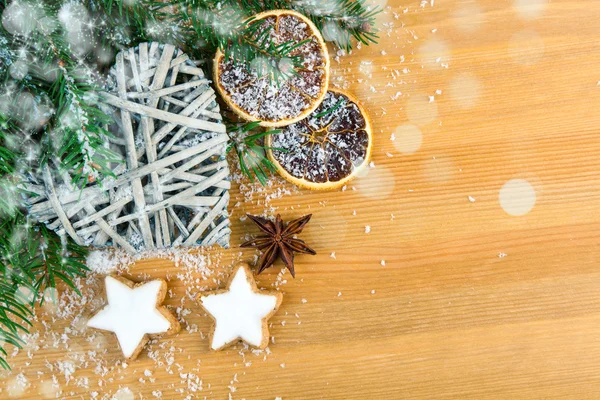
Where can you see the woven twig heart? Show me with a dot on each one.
(173, 189)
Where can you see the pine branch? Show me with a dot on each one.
(247, 142)
(122, 24)
(32, 259)
(341, 20)
(59, 86)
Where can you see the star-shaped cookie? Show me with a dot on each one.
(134, 312)
(241, 311)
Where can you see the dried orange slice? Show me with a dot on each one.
(284, 101)
(328, 148)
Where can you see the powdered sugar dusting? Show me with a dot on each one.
(106, 261)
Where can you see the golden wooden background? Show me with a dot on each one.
(472, 303)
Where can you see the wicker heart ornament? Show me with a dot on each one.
(173, 188)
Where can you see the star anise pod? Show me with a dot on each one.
(279, 241)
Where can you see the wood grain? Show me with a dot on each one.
(472, 303)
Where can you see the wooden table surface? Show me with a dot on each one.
(485, 210)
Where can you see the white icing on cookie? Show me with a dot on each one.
(239, 312)
(130, 313)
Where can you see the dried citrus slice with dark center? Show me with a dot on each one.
(328, 148)
(279, 102)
